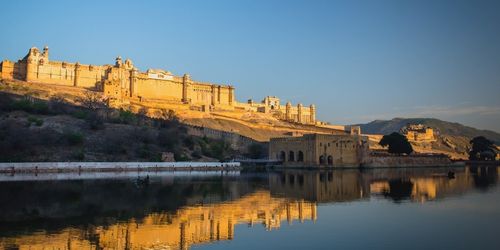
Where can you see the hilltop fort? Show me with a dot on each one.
(123, 84)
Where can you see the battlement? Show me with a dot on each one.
(122, 83)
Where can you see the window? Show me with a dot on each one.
(282, 156)
(291, 156)
(300, 156)
(322, 160)
(330, 160)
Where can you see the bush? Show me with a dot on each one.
(78, 155)
(94, 121)
(57, 105)
(168, 139)
(398, 143)
(73, 138)
(38, 122)
(36, 107)
(127, 117)
(256, 151)
(80, 114)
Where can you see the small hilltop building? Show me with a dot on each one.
(418, 133)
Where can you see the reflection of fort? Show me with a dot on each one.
(423, 187)
(292, 196)
(187, 226)
(318, 186)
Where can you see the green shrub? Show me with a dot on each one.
(38, 122)
(22, 104)
(94, 121)
(79, 155)
(37, 107)
(73, 138)
(80, 114)
(127, 117)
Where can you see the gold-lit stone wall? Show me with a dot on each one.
(122, 83)
(341, 150)
(187, 226)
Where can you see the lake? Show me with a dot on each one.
(405, 208)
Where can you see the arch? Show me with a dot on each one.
(322, 160)
(291, 156)
(330, 160)
(282, 156)
(300, 156)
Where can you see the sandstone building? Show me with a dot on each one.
(122, 83)
(418, 133)
(332, 150)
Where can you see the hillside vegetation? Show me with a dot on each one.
(54, 130)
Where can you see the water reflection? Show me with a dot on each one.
(176, 212)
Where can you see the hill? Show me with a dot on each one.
(443, 127)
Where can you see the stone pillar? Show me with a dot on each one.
(214, 95)
(218, 93)
(288, 111)
(299, 113)
(77, 74)
(312, 109)
(186, 79)
(231, 95)
(133, 79)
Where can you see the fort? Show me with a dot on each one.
(418, 133)
(123, 84)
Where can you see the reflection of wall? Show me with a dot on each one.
(325, 186)
(187, 226)
(425, 188)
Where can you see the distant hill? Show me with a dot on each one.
(444, 127)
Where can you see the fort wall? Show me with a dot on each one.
(122, 83)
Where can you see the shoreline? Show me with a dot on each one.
(65, 167)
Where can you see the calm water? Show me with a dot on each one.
(350, 209)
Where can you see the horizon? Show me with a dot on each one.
(439, 60)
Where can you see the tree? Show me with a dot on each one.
(398, 143)
(92, 100)
(482, 149)
(256, 151)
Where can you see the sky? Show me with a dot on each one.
(356, 60)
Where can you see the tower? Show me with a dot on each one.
(77, 74)
(32, 64)
(46, 53)
(299, 113)
(288, 111)
(312, 113)
(186, 79)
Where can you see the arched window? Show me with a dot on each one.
(291, 156)
(330, 160)
(300, 156)
(282, 156)
(322, 160)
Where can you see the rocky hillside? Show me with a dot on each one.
(54, 130)
(452, 138)
(443, 127)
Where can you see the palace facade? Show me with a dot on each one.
(329, 150)
(122, 83)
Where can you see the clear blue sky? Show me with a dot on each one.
(356, 60)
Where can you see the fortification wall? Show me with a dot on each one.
(158, 89)
(407, 161)
(122, 83)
